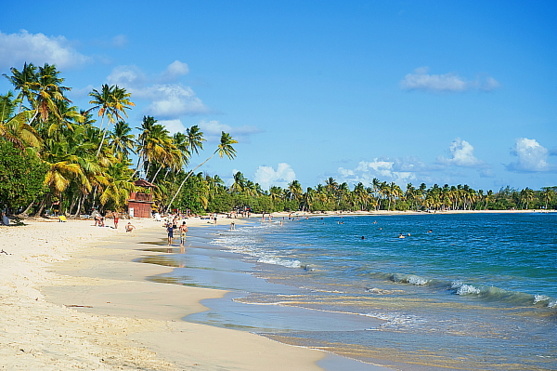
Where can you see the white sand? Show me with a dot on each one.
(68, 304)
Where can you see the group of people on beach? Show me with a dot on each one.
(99, 220)
(171, 226)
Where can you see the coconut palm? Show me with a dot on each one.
(121, 140)
(48, 91)
(111, 102)
(225, 148)
(23, 81)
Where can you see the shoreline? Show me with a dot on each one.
(74, 298)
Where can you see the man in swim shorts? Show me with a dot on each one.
(183, 232)
(170, 231)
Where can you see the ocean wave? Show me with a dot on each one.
(397, 320)
(409, 278)
(492, 293)
(280, 261)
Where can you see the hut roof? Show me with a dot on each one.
(144, 183)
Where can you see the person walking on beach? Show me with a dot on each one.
(183, 233)
(116, 219)
(170, 232)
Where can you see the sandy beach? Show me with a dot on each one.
(72, 298)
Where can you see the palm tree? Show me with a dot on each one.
(527, 195)
(295, 190)
(224, 148)
(547, 195)
(194, 139)
(111, 102)
(119, 187)
(121, 140)
(23, 81)
(48, 91)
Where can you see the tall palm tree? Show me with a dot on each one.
(194, 139)
(295, 190)
(121, 139)
(48, 91)
(23, 81)
(225, 148)
(111, 102)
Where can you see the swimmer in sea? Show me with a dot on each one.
(401, 236)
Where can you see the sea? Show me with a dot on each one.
(408, 292)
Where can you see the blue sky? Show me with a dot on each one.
(407, 91)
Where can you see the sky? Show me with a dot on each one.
(434, 92)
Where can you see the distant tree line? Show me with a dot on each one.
(56, 157)
(209, 194)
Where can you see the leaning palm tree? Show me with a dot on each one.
(225, 148)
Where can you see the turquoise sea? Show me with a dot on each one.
(460, 291)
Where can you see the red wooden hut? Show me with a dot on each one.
(140, 203)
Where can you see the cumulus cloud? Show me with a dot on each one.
(266, 176)
(18, 48)
(167, 100)
(420, 79)
(462, 154)
(173, 126)
(397, 170)
(130, 77)
(531, 156)
(173, 100)
(175, 70)
(212, 130)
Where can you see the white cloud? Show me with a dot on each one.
(212, 130)
(398, 171)
(167, 100)
(173, 126)
(18, 48)
(266, 176)
(130, 77)
(420, 79)
(462, 154)
(175, 70)
(172, 100)
(531, 156)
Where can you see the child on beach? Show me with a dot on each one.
(129, 227)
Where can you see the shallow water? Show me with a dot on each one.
(475, 291)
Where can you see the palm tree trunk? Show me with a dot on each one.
(157, 173)
(101, 144)
(184, 181)
(26, 211)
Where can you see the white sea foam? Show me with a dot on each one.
(465, 289)
(540, 298)
(280, 261)
(397, 320)
(417, 280)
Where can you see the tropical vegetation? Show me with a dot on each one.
(58, 158)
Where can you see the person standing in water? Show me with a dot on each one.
(183, 232)
(170, 232)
